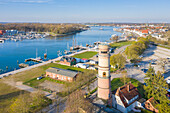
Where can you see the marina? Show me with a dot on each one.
(14, 53)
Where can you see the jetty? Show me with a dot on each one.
(22, 65)
(39, 60)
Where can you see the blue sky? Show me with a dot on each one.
(56, 11)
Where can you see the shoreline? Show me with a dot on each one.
(66, 34)
(40, 64)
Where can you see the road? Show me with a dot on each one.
(153, 52)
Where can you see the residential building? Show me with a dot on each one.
(126, 98)
(61, 74)
(69, 61)
(81, 65)
(150, 104)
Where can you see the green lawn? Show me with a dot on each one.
(86, 55)
(61, 66)
(120, 44)
(118, 82)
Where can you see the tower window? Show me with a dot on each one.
(104, 74)
(103, 51)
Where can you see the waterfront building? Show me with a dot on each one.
(61, 74)
(69, 61)
(104, 83)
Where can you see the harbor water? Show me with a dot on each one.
(13, 53)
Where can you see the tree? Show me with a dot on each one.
(133, 51)
(77, 101)
(118, 60)
(156, 87)
(114, 38)
(162, 63)
(28, 102)
(124, 76)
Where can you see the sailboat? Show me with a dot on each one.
(67, 51)
(75, 46)
(37, 58)
(45, 54)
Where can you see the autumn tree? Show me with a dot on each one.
(28, 102)
(114, 38)
(76, 101)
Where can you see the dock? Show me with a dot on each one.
(34, 60)
(22, 65)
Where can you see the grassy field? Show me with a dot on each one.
(35, 83)
(38, 71)
(120, 44)
(7, 95)
(118, 82)
(86, 55)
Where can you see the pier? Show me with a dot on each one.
(34, 60)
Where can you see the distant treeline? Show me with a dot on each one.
(42, 27)
(115, 24)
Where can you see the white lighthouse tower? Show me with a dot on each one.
(104, 84)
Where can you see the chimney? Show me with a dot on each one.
(128, 87)
(117, 92)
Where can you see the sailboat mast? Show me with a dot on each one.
(67, 45)
(36, 53)
(75, 42)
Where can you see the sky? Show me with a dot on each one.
(83, 11)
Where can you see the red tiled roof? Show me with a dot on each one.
(127, 91)
(145, 31)
(153, 101)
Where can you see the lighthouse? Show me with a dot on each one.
(104, 83)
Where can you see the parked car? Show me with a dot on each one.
(39, 78)
(168, 81)
(144, 70)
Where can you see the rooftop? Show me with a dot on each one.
(62, 72)
(127, 91)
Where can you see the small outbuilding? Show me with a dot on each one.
(81, 65)
(150, 104)
(84, 60)
(93, 62)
